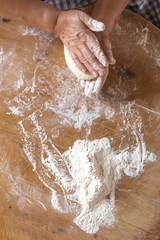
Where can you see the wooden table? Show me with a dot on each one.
(40, 97)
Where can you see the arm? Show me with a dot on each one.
(30, 12)
(108, 11)
(73, 27)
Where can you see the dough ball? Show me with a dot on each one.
(73, 67)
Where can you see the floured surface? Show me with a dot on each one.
(44, 112)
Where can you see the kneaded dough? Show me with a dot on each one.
(73, 67)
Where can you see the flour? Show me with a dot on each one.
(20, 82)
(15, 111)
(1, 55)
(95, 169)
(144, 38)
(96, 26)
(83, 178)
(37, 33)
(109, 112)
(77, 118)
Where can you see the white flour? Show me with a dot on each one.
(82, 179)
(96, 26)
(95, 169)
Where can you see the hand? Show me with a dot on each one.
(75, 30)
(106, 46)
(94, 87)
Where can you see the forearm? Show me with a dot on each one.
(108, 11)
(34, 13)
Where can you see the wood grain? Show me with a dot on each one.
(26, 211)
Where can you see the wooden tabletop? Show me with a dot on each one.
(42, 105)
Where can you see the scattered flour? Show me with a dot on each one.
(15, 111)
(78, 118)
(109, 112)
(144, 38)
(1, 55)
(87, 173)
(42, 35)
(20, 82)
(83, 179)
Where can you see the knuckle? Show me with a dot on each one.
(109, 51)
(98, 66)
(81, 36)
(91, 56)
(75, 57)
(71, 43)
(82, 59)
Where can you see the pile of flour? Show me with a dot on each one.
(95, 169)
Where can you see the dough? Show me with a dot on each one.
(73, 67)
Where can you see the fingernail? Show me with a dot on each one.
(89, 93)
(96, 90)
(84, 70)
(95, 74)
(112, 61)
(82, 82)
(101, 73)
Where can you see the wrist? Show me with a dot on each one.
(60, 22)
(65, 19)
(50, 18)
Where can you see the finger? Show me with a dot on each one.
(100, 83)
(89, 66)
(86, 87)
(106, 45)
(89, 87)
(95, 65)
(94, 46)
(101, 57)
(82, 63)
(92, 51)
(91, 23)
(78, 62)
(82, 83)
(111, 59)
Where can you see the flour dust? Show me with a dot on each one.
(52, 113)
(83, 178)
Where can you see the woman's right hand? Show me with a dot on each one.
(75, 28)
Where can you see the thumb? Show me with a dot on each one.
(107, 48)
(92, 24)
